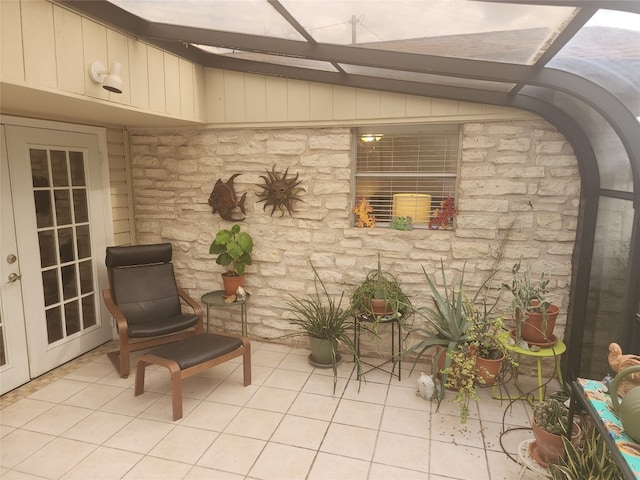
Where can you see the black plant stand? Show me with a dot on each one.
(395, 356)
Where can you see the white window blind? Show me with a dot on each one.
(407, 169)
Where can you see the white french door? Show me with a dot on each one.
(61, 223)
(14, 363)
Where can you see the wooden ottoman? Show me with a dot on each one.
(193, 355)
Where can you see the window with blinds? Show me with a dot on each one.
(407, 171)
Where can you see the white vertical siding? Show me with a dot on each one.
(69, 52)
(235, 98)
(38, 44)
(119, 177)
(157, 86)
(47, 46)
(139, 74)
(11, 57)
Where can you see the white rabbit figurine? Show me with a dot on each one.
(426, 386)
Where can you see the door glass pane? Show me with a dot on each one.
(47, 242)
(86, 277)
(59, 168)
(76, 161)
(44, 216)
(63, 207)
(65, 241)
(60, 183)
(72, 317)
(69, 287)
(39, 167)
(50, 285)
(80, 207)
(88, 311)
(84, 241)
(54, 325)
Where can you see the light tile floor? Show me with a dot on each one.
(82, 421)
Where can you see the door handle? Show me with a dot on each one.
(14, 277)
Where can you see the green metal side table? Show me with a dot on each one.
(216, 300)
(554, 351)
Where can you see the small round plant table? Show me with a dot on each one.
(553, 351)
(216, 300)
(396, 359)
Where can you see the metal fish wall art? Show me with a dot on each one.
(223, 199)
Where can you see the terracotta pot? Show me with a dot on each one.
(549, 447)
(231, 284)
(488, 370)
(532, 326)
(453, 383)
(380, 306)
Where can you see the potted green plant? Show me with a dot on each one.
(446, 324)
(380, 294)
(592, 459)
(533, 313)
(233, 249)
(549, 423)
(479, 360)
(328, 324)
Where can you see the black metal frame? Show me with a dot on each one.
(578, 398)
(179, 40)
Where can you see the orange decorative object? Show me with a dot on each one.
(619, 362)
(362, 211)
(442, 215)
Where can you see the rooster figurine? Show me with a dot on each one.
(618, 362)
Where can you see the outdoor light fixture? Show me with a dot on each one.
(110, 79)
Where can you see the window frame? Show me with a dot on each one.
(424, 130)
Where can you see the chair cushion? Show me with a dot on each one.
(197, 349)
(130, 255)
(161, 326)
(146, 293)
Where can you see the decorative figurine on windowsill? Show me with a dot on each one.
(364, 217)
(223, 199)
(443, 216)
(402, 223)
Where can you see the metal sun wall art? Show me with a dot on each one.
(279, 191)
(223, 199)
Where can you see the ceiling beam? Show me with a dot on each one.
(632, 6)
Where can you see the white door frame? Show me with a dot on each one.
(15, 371)
(97, 196)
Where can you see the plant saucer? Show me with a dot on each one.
(533, 451)
(325, 365)
(548, 344)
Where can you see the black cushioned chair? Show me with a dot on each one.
(144, 300)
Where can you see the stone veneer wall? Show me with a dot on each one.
(519, 173)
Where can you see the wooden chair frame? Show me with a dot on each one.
(120, 358)
(178, 375)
